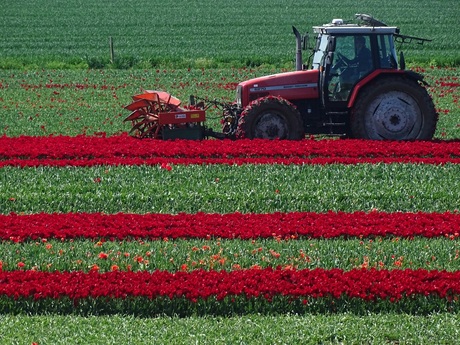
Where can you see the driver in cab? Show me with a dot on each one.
(363, 58)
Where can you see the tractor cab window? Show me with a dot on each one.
(320, 51)
(352, 60)
(387, 53)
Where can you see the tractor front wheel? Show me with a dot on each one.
(270, 118)
(394, 109)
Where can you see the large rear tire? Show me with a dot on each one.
(394, 109)
(270, 118)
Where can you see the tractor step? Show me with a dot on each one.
(335, 122)
(330, 114)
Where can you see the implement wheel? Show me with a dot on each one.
(145, 112)
(144, 120)
(270, 118)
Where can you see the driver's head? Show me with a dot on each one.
(360, 41)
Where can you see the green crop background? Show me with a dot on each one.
(205, 33)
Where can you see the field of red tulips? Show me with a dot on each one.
(105, 224)
(113, 239)
(95, 223)
(31, 285)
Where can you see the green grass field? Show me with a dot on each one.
(253, 329)
(56, 77)
(386, 187)
(206, 33)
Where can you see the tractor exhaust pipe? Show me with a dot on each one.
(298, 54)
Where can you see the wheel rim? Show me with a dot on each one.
(145, 125)
(393, 115)
(271, 126)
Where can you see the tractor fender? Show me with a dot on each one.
(377, 74)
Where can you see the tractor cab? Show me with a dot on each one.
(346, 53)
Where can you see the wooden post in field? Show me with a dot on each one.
(112, 54)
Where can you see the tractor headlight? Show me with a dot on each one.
(239, 96)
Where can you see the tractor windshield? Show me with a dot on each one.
(352, 61)
(354, 52)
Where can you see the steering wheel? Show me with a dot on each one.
(340, 65)
(340, 61)
(339, 69)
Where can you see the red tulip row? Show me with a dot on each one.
(233, 225)
(123, 149)
(370, 284)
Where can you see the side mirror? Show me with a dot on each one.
(331, 44)
(329, 58)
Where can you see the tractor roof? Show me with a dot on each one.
(340, 28)
(368, 25)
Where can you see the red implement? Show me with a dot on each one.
(153, 111)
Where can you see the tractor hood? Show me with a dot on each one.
(289, 85)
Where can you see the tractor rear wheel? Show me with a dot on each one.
(270, 118)
(394, 109)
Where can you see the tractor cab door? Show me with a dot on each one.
(348, 59)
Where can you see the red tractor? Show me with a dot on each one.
(355, 87)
